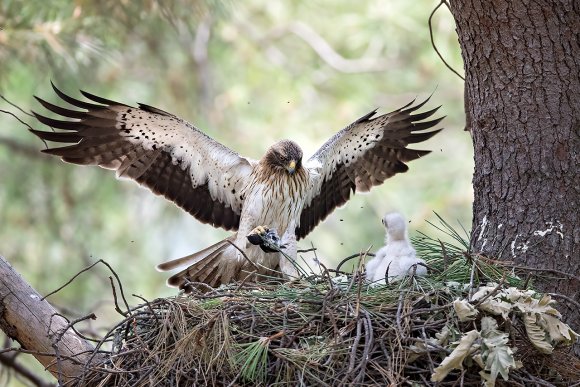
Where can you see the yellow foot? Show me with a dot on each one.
(260, 230)
(266, 238)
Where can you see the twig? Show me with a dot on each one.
(246, 278)
(569, 275)
(527, 281)
(537, 381)
(16, 106)
(243, 254)
(369, 343)
(17, 118)
(356, 274)
(570, 300)
(117, 308)
(59, 373)
(40, 353)
(88, 268)
(196, 285)
(23, 123)
(471, 278)
(398, 315)
(86, 366)
(433, 40)
(353, 350)
(119, 283)
(70, 325)
(445, 255)
(387, 273)
(359, 283)
(148, 307)
(325, 273)
(349, 258)
(69, 281)
(493, 292)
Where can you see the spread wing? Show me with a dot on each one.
(157, 149)
(360, 156)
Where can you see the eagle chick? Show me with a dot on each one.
(397, 257)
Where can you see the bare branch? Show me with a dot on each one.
(111, 280)
(325, 50)
(17, 118)
(15, 106)
(34, 323)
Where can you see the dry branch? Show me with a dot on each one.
(36, 325)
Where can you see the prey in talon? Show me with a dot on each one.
(266, 238)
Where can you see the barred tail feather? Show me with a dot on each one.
(209, 266)
(195, 257)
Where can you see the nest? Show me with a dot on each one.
(324, 329)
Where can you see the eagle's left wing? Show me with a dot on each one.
(361, 156)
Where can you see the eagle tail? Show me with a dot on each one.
(192, 258)
(207, 266)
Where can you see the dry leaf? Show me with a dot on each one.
(536, 334)
(498, 356)
(464, 310)
(455, 358)
(557, 330)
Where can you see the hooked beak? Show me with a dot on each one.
(291, 167)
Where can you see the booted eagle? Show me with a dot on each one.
(216, 185)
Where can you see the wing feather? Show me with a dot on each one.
(156, 149)
(363, 155)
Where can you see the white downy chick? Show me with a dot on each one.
(398, 255)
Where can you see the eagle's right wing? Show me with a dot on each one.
(157, 149)
(362, 155)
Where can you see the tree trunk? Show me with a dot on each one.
(522, 66)
(34, 323)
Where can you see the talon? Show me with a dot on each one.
(257, 234)
(266, 238)
(260, 230)
(254, 239)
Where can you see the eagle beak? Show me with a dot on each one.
(291, 167)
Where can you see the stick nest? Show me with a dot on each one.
(332, 329)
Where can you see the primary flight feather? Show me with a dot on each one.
(216, 185)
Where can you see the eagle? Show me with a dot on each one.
(216, 185)
(395, 259)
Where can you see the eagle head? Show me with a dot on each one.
(284, 156)
(395, 224)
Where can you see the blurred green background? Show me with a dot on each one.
(247, 73)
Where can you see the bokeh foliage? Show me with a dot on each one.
(247, 73)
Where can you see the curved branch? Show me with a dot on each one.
(433, 39)
(326, 52)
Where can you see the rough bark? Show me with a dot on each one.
(522, 66)
(33, 322)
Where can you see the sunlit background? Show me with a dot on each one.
(247, 74)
